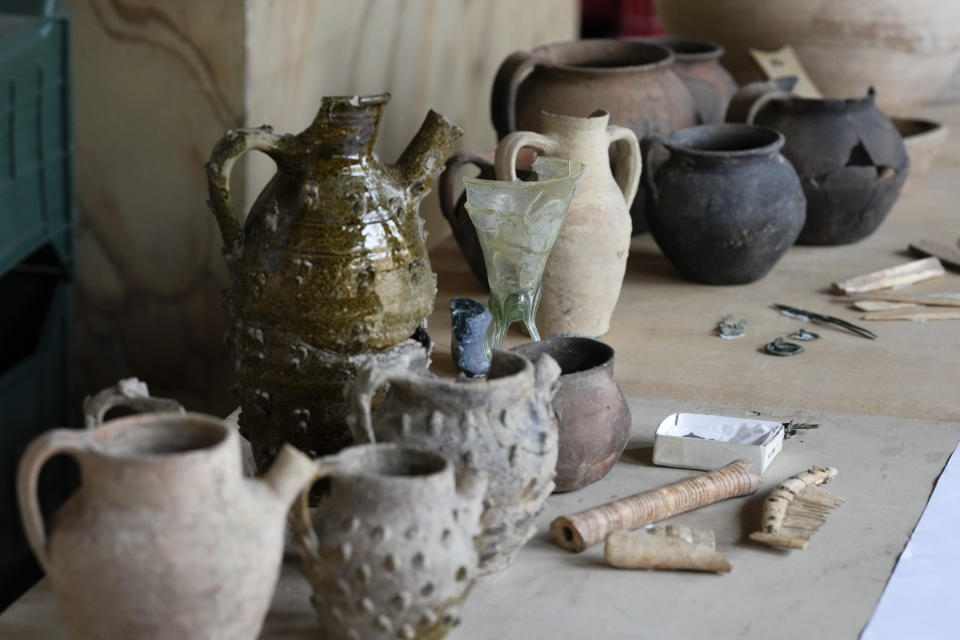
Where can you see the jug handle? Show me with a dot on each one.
(505, 163)
(299, 517)
(646, 148)
(130, 393)
(225, 153)
(628, 164)
(503, 98)
(445, 186)
(40, 450)
(370, 378)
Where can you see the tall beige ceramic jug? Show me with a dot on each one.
(164, 539)
(584, 273)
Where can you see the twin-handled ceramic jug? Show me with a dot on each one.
(584, 273)
(329, 263)
(164, 538)
(502, 426)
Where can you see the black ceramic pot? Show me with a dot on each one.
(725, 206)
(848, 154)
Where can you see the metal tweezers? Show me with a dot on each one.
(860, 331)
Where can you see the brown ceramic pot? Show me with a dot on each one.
(329, 263)
(633, 81)
(389, 550)
(501, 426)
(592, 415)
(164, 539)
(698, 66)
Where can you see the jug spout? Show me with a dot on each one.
(424, 157)
(290, 473)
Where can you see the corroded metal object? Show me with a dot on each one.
(502, 426)
(165, 538)
(330, 263)
(593, 417)
(850, 157)
(389, 550)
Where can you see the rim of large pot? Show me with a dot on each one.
(686, 49)
(660, 57)
(917, 128)
(395, 461)
(188, 434)
(802, 102)
(600, 356)
(735, 140)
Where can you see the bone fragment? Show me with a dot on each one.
(904, 274)
(584, 529)
(796, 509)
(949, 254)
(670, 547)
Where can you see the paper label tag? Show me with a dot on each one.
(783, 63)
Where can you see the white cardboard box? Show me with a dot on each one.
(719, 440)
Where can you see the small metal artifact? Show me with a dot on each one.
(781, 347)
(808, 316)
(804, 335)
(731, 328)
(792, 429)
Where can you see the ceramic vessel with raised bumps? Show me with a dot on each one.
(389, 550)
(502, 426)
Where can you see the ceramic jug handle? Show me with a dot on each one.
(447, 181)
(40, 450)
(628, 163)
(503, 98)
(370, 378)
(130, 393)
(301, 523)
(646, 148)
(505, 163)
(225, 153)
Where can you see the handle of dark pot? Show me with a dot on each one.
(647, 145)
(40, 450)
(503, 98)
(447, 181)
(627, 164)
(130, 393)
(505, 163)
(231, 146)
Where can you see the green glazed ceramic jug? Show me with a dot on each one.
(329, 264)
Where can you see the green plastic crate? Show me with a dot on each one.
(34, 298)
(36, 142)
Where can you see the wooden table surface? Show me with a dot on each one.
(891, 415)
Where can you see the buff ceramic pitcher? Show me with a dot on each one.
(164, 538)
(502, 426)
(330, 263)
(584, 273)
(389, 549)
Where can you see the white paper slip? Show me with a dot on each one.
(920, 600)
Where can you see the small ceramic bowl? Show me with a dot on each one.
(592, 415)
(923, 139)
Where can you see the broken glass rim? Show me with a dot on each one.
(575, 170)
